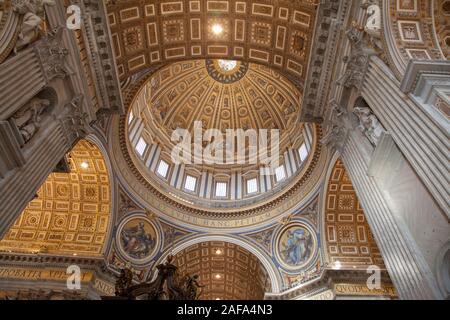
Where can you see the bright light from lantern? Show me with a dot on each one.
(218, 276)
(218, 252)
(217, 29)
(227, 65)
(84, 165)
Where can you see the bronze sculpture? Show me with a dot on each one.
(168, 285)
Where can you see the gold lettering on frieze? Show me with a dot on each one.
(363, 290)
(326, 295)
(104, 287)
(33, 274)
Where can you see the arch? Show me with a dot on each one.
(101, 145)
(348, 242)
(409, 33)
(269, 266)
(71, 212)
(441, 19)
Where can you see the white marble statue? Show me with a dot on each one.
(33, 13)
(29, 118)
(369, 124)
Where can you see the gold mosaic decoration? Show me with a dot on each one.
(71, 211)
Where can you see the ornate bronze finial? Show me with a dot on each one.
(124, 282)
(150, 215)
(167, 285)
(357, 26)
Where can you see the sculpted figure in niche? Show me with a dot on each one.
(33, 13)
(369, 124)
(29, 118)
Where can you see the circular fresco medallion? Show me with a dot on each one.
(296, 246)
(137, 239)
(226, 71)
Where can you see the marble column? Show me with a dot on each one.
(419, 131)
(404, 258)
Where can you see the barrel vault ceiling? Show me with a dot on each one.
(275, 33)
(227, 271)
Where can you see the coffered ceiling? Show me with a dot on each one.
(228, 271)
(70, 213)
(349, 240)
(275, 33)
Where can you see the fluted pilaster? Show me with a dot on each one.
(21, 78)
(19, 189)
(408, 270)
(423, 142)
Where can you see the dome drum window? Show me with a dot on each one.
(280, 173)
(303, 152)
(190, 183)
(162, 169)
(221, 189)
(141, 147)
(252, 186)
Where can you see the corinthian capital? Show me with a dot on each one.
(74, 121)
(337, 127)
(52, 55)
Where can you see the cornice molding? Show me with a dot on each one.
(419, 68)
(95, 31)
(331, 18)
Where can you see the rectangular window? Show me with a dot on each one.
(280, 174)
(252, 186)
(131, 117)
(141, 146)
(303, 152)
(190, 183)
(163, 169)
(221, 189)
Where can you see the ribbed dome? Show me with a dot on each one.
(222, 95)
